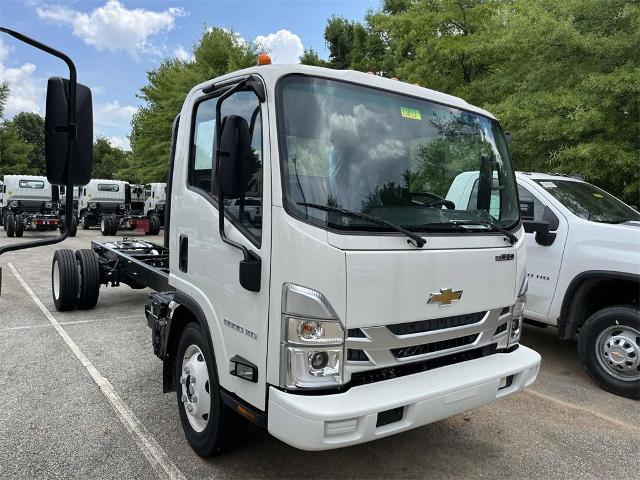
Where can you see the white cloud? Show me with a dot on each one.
(283, 46)
(26, 92)
(183, 54)
(113, 27)
(112, 114)
(120, 142)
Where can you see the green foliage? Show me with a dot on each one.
(216, 53)
(14, 152)
(4, 93)
(110, 162)
(563, 76)
(30, 129)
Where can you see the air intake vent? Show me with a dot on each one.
(433, 347)
(357, 355)
(435, 324)
(355, 333)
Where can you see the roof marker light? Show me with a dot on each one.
(264, 59)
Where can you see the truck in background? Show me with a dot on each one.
(137, 199)
(30, 202)
(356, 306)
(154, 201)
(583, 266)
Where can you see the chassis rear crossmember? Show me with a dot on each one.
(134, 262)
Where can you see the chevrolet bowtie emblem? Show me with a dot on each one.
(445, 297)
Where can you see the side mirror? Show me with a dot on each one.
(127, 194)
(234, 169)
(543, 236)
(59, 129)
(55, 193)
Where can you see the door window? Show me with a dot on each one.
(531, 208)
(246, 213)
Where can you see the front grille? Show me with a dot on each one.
(500, 329)
(387, 373)
(433, 346)
(436, 324)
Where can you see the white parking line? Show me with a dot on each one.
(154, 453)
(71, 322)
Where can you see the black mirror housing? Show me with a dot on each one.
(58, 132)
(543, 236)
(234, 169)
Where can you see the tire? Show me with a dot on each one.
(19, 225)
(153, 226)
(64, 280)
(211, 430)
(88, 279)
(157, 222)
(74, 226)
(609, 347)
(115, 225)
(84, 221)
(105, 225)
(10, 223)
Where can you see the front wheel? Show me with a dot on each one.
(64, 280)
(609, 346)
(105, 225)
(10, 225)
(19, 225)
(85, 223)
(210, 426)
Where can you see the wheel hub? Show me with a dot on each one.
(619, 351)
(194, 380)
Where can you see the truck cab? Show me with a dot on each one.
(583, 268)
(154, 200)
(30, 202)
(104, 202)
(137, 199)
(360, 302)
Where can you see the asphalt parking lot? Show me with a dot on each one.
(81, 397)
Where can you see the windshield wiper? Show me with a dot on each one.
(416, 240)
(492, 226)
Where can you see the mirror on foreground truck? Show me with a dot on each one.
(340, 298)
(68, 154)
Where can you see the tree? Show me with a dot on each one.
(14, 152)
(216, 53)
(109, 162)
(30, 128)
(4, 93)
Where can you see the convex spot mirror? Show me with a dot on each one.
(58, 132)
(236, 159)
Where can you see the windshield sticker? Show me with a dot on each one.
(548, 184)
(410, 113)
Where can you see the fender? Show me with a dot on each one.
(568, 324)
(192, 306)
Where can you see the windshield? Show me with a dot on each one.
(390, 156)
(589, 202)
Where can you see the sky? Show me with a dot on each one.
(115, 42)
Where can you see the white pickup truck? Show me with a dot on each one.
(583, 266)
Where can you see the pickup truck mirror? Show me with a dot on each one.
(234, 167)
(543, 236)
(60, 127)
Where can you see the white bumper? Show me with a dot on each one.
(322, 422)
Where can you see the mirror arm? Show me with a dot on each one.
(238, 86)
(71, 153)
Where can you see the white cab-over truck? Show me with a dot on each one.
(362, 303)
(154, 201)
(583, 265)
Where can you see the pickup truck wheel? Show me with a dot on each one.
(88, 278)
(19, 225)
(64, 280)
(209, 425)
(10, 224)
(609, 346)
(105, 225)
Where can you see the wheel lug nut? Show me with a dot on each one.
(189, 408)
(183, 398)
(191, 389)
(183, 379)
(194, 398)
(187, 371)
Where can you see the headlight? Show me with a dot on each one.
(48, 205)
(160, 207)
(312, 340)
(515, 328)
(122, 206)
(14, 203)
(93, 205)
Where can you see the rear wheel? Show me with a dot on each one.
(64, 280)
(85, 223)
(115, 224)
(210, 426)
(609, 346)
(10, 225)
(19, 225)
(105, 225)
(88, 278)
(74, 225)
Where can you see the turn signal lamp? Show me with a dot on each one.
(264, 59)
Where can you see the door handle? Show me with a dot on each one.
(183, 254)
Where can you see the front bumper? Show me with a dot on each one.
(322, 422)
